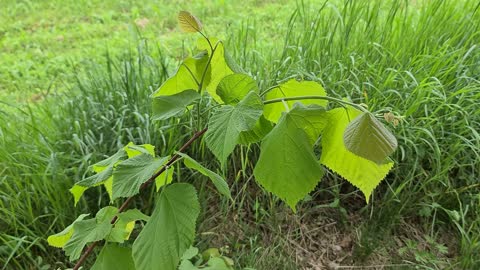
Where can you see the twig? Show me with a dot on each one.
(125, 204)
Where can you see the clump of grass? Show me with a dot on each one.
(47, 146)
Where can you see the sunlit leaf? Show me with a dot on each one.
(133, 150)
(125, 224)
(219, 66)
(95, 180)
(235, 87)
(90, 230)
(165, 177)
(60, 239)
(365, 136)
(292, 88)
(188, 76)
(362, 173)
(170, 230)
(103, 176)
(189, 23)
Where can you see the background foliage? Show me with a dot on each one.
(66, 102)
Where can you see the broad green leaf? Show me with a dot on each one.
(235, 87)
(292, 88)
(165, 107)
(114, 257)
(226, 124)
(133, 150)
(287, 165)
(216, 179)
(130, 174)
(257, 133)
(85, 231)
(366, 137)
(187, 77)
(125, 224)
(170, 230)
(90, 230)
(165, 177)
(60, 239)
(219, 66)
(104, 170)
(106, 214)
(362, 173)
(110, 161)
(189, 23)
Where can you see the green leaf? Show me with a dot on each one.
(292, 88)
(165, 107)
(125, 224)
(114, 257)
(104, 170)
(190, 253)
(189, 23)
(110, 161)
(257, 133)
(85, 231)
(170, 230)
(90, 230)
(95, 180)
(133, 150)
(365, 136)
(226, 124)
(362, 173)
(215, 263)
(216, 179)
(166, 177)
(187, 77)
(106, 214)
(130, 174)
(219, 66)
(60, 239)
(287, 165)
(235, 87)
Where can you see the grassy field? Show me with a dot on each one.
(75, 80)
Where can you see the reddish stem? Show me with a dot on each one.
(125, 204)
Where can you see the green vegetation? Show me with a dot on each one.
(418, 60)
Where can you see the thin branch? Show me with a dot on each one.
(125, 204)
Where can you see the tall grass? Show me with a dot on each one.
(419, 59)
(46, 147)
